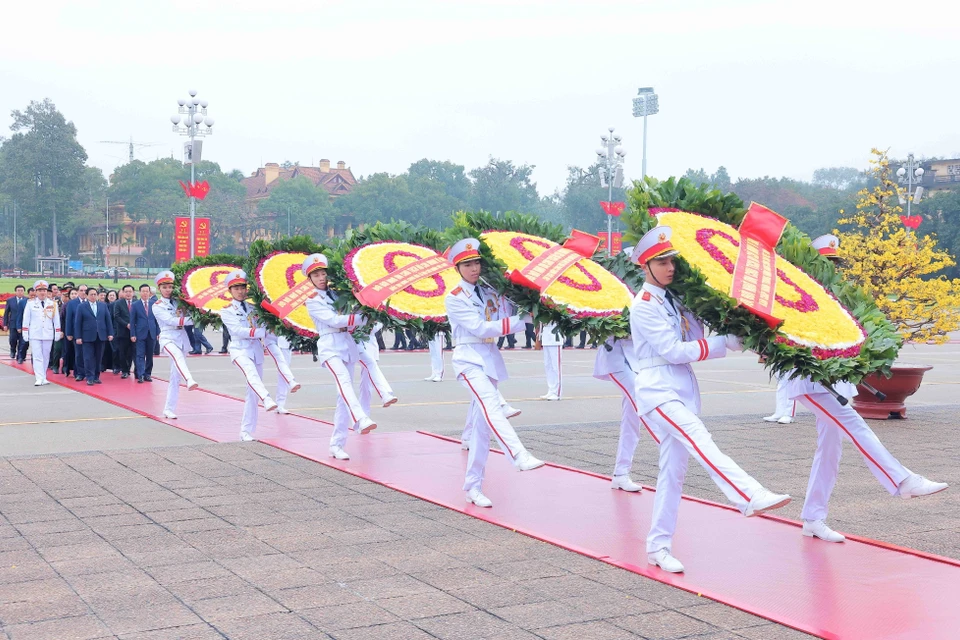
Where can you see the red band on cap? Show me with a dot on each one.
(654, 251)
(469, 254)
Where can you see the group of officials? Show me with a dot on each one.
(652, 370)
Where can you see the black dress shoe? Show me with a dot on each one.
(97, 381)
(124, 375)
(89, 383)
(139, 380)
(78, 378)
(148, 378)
(222, 351)
(209, 350)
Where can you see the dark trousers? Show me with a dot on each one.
(379, 336)
(224, 339)
(122, 354)
(529, 334)
(412, 342)
(55, 352)
(511, 341)
(144, 361)
(399, 340)
(68, 359)
(15, 339)
(22, 347)
(79, 361)
(201, 340)
(92, 356)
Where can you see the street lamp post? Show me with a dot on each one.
(611, 158)
(647, 103)
(906, 175)
(194, 109)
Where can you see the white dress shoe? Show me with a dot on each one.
(916, 486)
(38, 384)
(283, 411)
(625, 483)
(819, 529)
(511, 412)
(365, 426)
(772, 418)
(478, 498)
(429, 379)
(665, 561)
(294, 387)
(437, 379)
(246, 437)
(549, 396)
(338, 453)
(527, 462)
(465, 446)
(785, 420)
(389, 399)
(192, 384)
(269, 404)
(764, 500)
(169, 415)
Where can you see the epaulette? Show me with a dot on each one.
(646, 296)
(312, 294)
(457, 291)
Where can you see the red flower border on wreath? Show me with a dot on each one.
(402, 315)
(819, 353)
(300, 331)
(578, 315)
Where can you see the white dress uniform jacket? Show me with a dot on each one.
(619, 358)
(476, 321)
(334, 329)
(172, 318)
(41, 320)
(245, 329)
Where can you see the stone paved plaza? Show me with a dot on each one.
(180, 538)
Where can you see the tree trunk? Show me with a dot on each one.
(56, 248)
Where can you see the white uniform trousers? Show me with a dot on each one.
(371, 378)
(489, 418)
(474, 415)
(283, 389)
(256, 391)
(630, 422)
(40, 355)
(834, 422)
(785, 406)
(348, 410)
(436, 356)
(178, 371)
(552, 360)
(681, 435)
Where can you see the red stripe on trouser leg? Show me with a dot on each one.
(370, 376)
(277, 362)
(703, 457)
(247, 380)
(852, 439)
(176, 364)
(630, 398)
(559, 371)
(487, 415)
(340, 391)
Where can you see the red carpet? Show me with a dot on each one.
(859, 589)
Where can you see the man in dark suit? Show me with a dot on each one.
(94, 329)
(11, 319)
(143, 333)
(70, 331)
(122, 345)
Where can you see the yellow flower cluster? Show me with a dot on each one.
(203, 278)
(586, 288)
(423, 299)
(827, 326)
(274, 278)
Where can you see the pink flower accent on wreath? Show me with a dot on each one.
(518, 244)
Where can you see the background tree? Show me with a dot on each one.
(307, 205)
(502, 186)
(581, 197)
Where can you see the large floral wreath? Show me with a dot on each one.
(376, 251)
(830, 333)
(193, 276)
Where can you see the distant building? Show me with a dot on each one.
(941, 175)
(123, 246)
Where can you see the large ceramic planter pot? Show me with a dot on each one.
(903, 384)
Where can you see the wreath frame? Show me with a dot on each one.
(180, 270)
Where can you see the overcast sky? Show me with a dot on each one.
(764, 88)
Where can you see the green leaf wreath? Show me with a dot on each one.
(721, 312)
(200, 317)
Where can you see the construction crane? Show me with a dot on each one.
(132, 144)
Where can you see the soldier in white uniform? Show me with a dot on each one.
(436, 358)
(666, 339)
(552, 344)
(834, 423)
(371, 376)
(172, 318)
(247, 339)
(41, 328)
(338, 352)
(477, 318)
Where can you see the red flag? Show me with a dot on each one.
(911, 222)
(186, 189)
(201, 189)
(583, 243)
(613, 208)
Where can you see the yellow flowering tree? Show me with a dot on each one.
(894, 264)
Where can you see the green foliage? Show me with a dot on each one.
(721, 313)
(300, 208)
(200, 317)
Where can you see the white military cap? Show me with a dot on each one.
(654, 244)
(466, 249)
(237, 276)
(828, 245)
(40, 284)
(164, 277)
(313, 262)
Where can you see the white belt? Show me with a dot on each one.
(648, 363)
(332, 331)
(474, 340)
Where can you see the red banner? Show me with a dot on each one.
(612, 208)
(203, 298)
(286, 304)
(617, 241)
(376, 293)
(755, 274)
(583, 243)
(544, 270)
(201, 235)
(181, 239)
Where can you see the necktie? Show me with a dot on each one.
(479, 293)
(129, 307)
(243, 304)
(669, 297)
(146, 308)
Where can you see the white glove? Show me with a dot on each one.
(733, 343)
